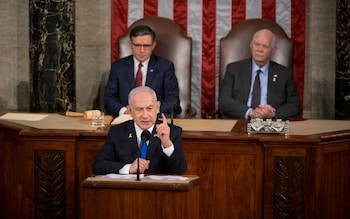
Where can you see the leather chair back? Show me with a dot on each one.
(235, 45)
(174, 45)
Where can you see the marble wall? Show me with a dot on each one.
(52, 56)
(92, 55)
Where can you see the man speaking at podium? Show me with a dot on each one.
(156, 144)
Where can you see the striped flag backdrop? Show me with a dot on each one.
(207, 21)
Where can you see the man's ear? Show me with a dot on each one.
(158, 106)
(154, 45)
(273, 50)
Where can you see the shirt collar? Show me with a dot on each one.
(138, 131)
(144, 63)
(263, 69)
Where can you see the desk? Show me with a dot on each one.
(127, 198)
(303, 175)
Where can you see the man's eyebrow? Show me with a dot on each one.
(145, 106)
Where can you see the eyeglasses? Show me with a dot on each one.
(145, 46)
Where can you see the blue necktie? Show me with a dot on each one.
(143, 146)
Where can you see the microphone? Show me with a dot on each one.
(145, 136)
(176, 110)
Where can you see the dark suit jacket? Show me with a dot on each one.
(281, 93)
(121, 148)
(160, 77)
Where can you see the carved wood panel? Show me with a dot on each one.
(50, 189)
(289, 188)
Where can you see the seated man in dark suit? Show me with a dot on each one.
(164, 154)
(277, 96)
(156, 72)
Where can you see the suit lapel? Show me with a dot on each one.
(154, 142)
(247, 79)
(132, 137)
(151, 70)
(130, 71)
(271, 81)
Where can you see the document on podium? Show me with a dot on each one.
(143, 176)
(24, 116)
(154, 182)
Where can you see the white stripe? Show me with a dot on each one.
(253, 9)
(135, 11)
(166, 9)
(223, 26)
(195, 31)
(283, 15)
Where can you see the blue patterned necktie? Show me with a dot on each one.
(143, 152)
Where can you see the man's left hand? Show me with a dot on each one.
(163, 132)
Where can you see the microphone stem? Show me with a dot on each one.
(138, 169)
(145, 136)
(138, 166)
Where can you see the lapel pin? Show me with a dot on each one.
(274, 79)
(130, 135)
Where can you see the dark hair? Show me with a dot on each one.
(142, 30)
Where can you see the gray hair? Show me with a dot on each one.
(273, 43)
(140, 89)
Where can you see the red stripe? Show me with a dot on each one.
(298, 35)
(238, 11)
(119, 24)
(269, 9)
(208, 57)
(150, 8)
(180, 13)
(208, 73)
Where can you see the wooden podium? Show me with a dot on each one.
(148, 198)
(305, 174)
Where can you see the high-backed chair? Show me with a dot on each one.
(235, 45)
(172, 44)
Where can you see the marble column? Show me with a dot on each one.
(52, 55)
(342, 80)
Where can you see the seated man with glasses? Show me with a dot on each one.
(142, 68)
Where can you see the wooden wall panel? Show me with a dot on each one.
(242, 176)
(231, 173)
